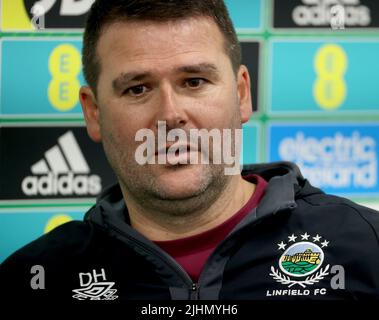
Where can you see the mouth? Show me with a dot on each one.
(187, 148)
(177, 155)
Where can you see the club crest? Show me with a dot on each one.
(302, 261)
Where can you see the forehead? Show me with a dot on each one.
(148, 41)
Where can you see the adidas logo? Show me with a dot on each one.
(64, 171)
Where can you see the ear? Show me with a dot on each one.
(244, 96)
(91, 112)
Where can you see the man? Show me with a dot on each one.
(180, 230)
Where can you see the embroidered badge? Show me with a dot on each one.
(301, 264)
(93, 289)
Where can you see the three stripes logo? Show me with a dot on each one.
(63, 171)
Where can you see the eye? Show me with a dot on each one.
(136, 90)
(195, 82)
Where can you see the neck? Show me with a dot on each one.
(151, 224)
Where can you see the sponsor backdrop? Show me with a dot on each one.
(315, 88)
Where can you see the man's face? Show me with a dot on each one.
(176, 72)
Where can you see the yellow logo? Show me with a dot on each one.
(14, 16)
(64, 67)
(330, 65)
(56, 221)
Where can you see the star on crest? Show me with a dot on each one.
(292, 238)
(324, 244)
(305, 236)
(282, 246)
(316, 238)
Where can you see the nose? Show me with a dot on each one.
(170, 109)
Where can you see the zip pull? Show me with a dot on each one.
(195, 291)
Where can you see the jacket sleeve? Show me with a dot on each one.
(35, 271)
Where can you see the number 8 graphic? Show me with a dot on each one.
(330, 64)
(64, 67)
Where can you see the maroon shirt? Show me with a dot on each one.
(192, 252)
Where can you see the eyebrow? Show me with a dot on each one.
(200, 68)
(125, 77)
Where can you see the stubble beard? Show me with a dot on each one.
(150, 193)
(141, 186)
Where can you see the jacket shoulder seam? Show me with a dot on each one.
(351, 207)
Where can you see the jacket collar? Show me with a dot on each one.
(284, 179)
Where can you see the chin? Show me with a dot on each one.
(182, 194)
(181, 184)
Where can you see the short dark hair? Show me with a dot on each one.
(105, 12)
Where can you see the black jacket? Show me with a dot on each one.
(333, 242)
